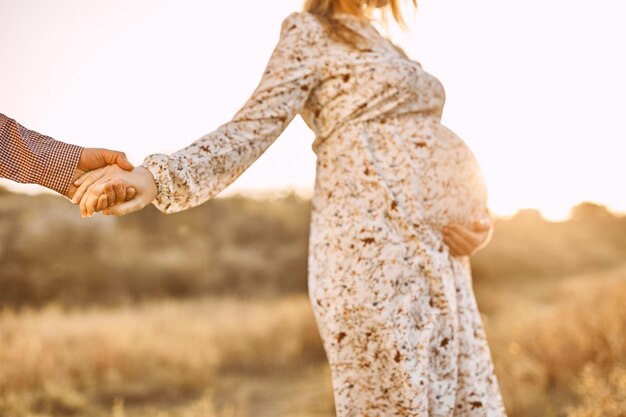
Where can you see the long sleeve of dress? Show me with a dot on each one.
(30, 157)
(194, 174)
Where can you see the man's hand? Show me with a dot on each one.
(464, 241)
(94, 158)
(99, 188)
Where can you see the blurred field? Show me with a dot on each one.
(205, 313)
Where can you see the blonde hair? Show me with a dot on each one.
(324, 10)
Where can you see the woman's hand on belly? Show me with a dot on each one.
(464, 241)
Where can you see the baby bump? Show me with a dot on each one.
(432, 171)
(410, 164)
(453, 188)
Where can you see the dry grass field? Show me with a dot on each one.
(185, 316)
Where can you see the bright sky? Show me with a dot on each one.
(535, 88)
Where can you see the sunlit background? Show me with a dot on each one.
(150, 315)
(535, 88)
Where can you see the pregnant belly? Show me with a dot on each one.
(410, 163)
(432, 171)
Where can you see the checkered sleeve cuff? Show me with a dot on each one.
(59, 166)
(30, 157)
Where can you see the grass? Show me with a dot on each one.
(66, 362)
(184, 316)
(216, 356)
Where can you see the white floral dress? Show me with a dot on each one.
(395, 310)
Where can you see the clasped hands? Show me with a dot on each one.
(116, 191)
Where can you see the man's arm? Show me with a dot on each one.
(30, 157)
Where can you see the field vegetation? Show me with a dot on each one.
(205, 313)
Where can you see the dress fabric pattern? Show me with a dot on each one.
(396, 311)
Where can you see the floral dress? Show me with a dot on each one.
(395, 310)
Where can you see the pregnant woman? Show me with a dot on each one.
(394, 306)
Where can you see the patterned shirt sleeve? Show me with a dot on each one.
(30, 157)
(194, 174)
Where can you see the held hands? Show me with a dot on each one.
(108, 189)
(94, 158)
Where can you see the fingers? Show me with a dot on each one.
(462, 241)
(120, 197)
(93, 198)
(119, 158)
(127, 207)
(130, 193)
(88, 204)
(115, 157)
(484, 227)
(110, 193)
(136, 198)
(123, 162)
(86, 181)
(94, 158)
(471, 237)
(82, 178)
(99, 196)
(102, 202)
(482, 224)
(115, 192)
(120, 192)
(458, 247)
(452, 246)
(99, 191)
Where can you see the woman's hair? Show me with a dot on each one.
(324, 10)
